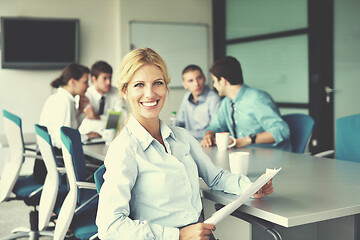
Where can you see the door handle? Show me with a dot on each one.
(328, 91)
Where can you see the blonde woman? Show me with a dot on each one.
(151, 188)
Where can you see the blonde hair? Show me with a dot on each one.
(134, 60)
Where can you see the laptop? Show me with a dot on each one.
(112, 121)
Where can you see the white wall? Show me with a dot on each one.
(184, 11)
(23, 92)
(104, 34)
(347, 58)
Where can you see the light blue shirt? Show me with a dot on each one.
(254, 112)
(148, 193)
(195, 117)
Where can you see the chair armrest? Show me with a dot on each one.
(86, 185)
(61, 170)
(91, 165)
(86, 203)
(30, 149)
(95, 236)
(35, 192)
(32, 156)
(325, 153)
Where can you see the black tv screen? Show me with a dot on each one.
(39, 43)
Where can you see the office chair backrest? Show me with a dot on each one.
(99, 177)
(51, 184)
(71, 141)
(68, 138)
(76, 172)
(10, 173)
(301, 126)
(348, 138)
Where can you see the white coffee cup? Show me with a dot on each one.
(222, 141)
(109, 135)
(239, 162)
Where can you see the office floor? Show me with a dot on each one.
(15, 214)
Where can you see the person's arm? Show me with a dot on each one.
(267, 114)
(220, 179)
(214, 176)
(214, 105)
(217, 124)
(264, 137)
(113, 216)
(83, 102)
(90, 113)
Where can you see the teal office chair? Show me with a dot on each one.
(78, 211)
(347, 146)
(301, 126)
(99, 177)
(348, 138)
(25, 188)
(54, 192)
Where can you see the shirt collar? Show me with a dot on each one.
(240, 93)
(143, 136)
(201, 98)
(62, 91)
(95, 93)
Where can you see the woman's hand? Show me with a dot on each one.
(83, 101)
(265, 190)
(197, 231)
(90, 113)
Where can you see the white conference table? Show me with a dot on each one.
(307, 190)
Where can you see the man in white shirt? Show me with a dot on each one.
(102, 98)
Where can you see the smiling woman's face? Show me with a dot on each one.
(146, 93)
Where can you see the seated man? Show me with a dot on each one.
(199, 104)
(102, 98)
(250, 115)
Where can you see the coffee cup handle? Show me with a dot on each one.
(233, 143)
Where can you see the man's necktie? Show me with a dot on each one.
(233, 120)
(102, 104)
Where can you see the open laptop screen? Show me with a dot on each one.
(113, 120)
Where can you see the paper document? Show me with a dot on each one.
(219, 215)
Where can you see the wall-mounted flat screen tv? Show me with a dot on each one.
(39, 43)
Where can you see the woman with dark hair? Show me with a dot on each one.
(59, 109)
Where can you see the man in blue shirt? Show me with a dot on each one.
(249, 114)
(199, 104)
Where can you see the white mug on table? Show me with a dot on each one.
(222, 141)
(239, 162)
